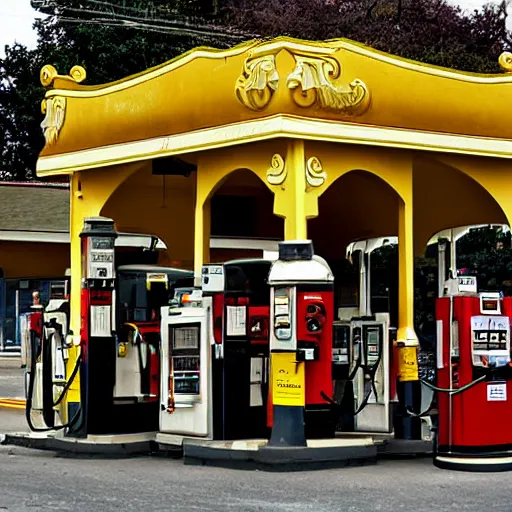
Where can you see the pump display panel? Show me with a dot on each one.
(185, 359)
(373, 342)
(101, 258)
(102, 243)
(340, 344)
(490, 340)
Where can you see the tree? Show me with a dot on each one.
(107, 52)
(116, 38)
(430, 31)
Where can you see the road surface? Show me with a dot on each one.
(40, 481)
(11, 378)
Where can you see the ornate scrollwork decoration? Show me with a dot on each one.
(48, 75)
(276, 173)
(55, 110)
(311, 83)
(258, 82)
(505, 61)
(315, 174)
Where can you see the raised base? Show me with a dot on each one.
(117, 446)
(257, 454)
(474, 464)
(350, 450)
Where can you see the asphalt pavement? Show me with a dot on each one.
(11, 378)
(31, 480)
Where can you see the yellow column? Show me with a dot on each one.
(90, 191)
(292, 202)
(407, 341)
(201, 236)
(79, 210)
(295, 223)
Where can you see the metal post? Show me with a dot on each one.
(441, 270)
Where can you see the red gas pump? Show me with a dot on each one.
(240, 302)
(474, 376)
(302, 311)
(97, 326)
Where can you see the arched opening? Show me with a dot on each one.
(445, 197)
(156, 203)
(242, 209)
(357, 206)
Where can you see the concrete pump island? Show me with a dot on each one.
(328, 149)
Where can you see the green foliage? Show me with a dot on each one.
(82, 32)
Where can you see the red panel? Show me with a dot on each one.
(84, 321)
(259, 316)
(218, 312)
(443, 375)
(318, 373)
(35, 323)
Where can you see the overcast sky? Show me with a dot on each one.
(16, 18)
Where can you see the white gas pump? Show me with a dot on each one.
(48, 365)
(361, 353)
(56, 330)
(186, 388)
(371, 380)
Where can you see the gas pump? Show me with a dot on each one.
(233, 314)
(121, 335)
(370, 341)
(241, 297)
(301, 317)
(47, 356)
(362, 354)
(97, 325)
(55, 356)
(186, 383)
(474, 376)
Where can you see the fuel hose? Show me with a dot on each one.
(451, 392)
(457, 390)
(28, 408)
(369, 371)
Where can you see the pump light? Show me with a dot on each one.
(313, 325)
(296, 250)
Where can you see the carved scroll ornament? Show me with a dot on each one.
(258, 82)
(48, 74)
(276, 174)
(505, 61)
(55, 110)
(315, 174)
(54, 107)
(311, 83)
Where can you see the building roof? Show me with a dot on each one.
(336, 90)
(34, 207)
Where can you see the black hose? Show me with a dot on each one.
(454, 391)
(28, 408)
(443, 390)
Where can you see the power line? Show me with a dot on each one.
(145, 27)
(178, 25)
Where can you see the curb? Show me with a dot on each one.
(277, 459)
(73, 448)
